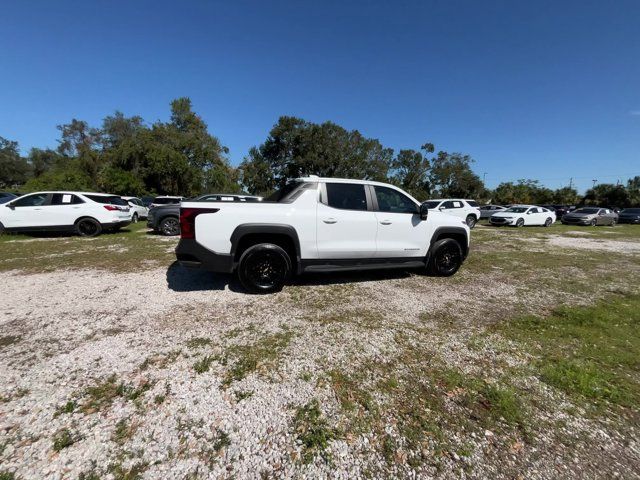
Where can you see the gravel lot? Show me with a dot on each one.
(157, 372)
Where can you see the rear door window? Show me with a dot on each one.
(346, 196)
(65, 199)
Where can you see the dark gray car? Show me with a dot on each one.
(165, 219)
(590, 216)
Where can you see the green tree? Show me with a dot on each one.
(607, 195)
(14, 170)
(42, 161)
(411, 171)
(296, 148)
(451, 176)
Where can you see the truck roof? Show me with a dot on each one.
(313, 178)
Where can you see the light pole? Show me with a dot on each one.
(484, 176)
(594, 182)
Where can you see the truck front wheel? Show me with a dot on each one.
(445, 258)
(264, 268)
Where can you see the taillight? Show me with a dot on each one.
(111, 208)
(188, 220)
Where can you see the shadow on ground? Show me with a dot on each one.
(182, 279)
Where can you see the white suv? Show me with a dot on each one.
(86, 214)
(138, 209)
(468, 210)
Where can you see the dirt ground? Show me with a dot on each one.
(116, 363)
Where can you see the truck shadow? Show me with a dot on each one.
(181, 279)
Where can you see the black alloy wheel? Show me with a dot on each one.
(88, 227)
(520, 222)
(134, 218)
(594, 222)
(170, 226)
(548, 222)
(264, 268)
(446, 258)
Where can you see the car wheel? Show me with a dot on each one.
(613, 222)
(88, 227)
(471, 221)
(520, 222)
(445, 258)
(263, 268)
(170, 226)
(134, 219)
(1, 228)
(548, 222)
(594, 222)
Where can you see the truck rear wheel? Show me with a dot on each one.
(263, 268)
(445, 258)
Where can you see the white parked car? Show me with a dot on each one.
(521, 215)
(84, 213)
(138, 210)
(319, 225)
(165, 200)
(468, 210)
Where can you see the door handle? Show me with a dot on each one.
(329, 220)
(37, 209)
(385, 222)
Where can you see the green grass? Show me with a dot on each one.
(130, 249)
(313, 431)
(204, 364)
(7, 475)
(261, 355)
(590, 353)
(63, 439)
(105, 392)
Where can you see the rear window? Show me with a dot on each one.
(432, 204)
(473, 203)
(346, 196)
(108, 200)
(65, 199)
(166, 201)
(283, 193)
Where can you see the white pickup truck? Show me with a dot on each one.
(318, 224)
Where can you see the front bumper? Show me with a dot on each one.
(501, 221)
(193, 255)
(576, 221)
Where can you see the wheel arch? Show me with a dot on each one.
(456, 233)
(285, 236)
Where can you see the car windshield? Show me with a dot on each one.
(280, 194)
(432, 204)
(586, 210)
(108, 200)
(517, 209)
(635, 211)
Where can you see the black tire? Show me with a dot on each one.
(445, 259)
(134, 218)
(471, 221)
(88, 227)
(548, 222)
(169, 226)
(613, 223)
(594, 222)
(1, 228)
(264, 268)
(520, 222)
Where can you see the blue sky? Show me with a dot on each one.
(539, 89)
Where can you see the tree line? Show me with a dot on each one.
(125, 155)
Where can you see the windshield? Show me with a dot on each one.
(586, 210)
(283, 192)
(517, 209)
(432, 204)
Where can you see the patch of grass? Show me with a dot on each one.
(313, 431)
(261, 355)
(135, 472)
(104, 393)
(63, 439)
(590, 353)
(198, 342)
(115, 252)
(6, 474)
(67, 408)
(243, 395)
(203, 365)
(124, 431)
(221, 440)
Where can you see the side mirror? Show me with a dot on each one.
(10, 205)
(441, 208)
(423, 210)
